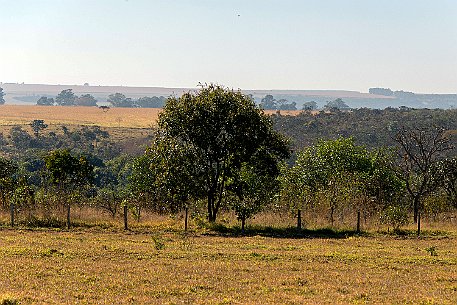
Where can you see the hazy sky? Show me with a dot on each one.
(247, 44)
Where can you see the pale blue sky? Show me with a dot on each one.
(247, 44)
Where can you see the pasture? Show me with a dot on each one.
(157, 263)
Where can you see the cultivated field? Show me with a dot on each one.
(165, 266)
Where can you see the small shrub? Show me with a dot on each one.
(432, 251)
(158, 243)
(7, 300)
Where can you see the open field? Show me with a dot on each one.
(114, 117)
(161, 265)
(58, 115)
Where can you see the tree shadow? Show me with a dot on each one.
(281, 232)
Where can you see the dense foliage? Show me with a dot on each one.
(224, 130)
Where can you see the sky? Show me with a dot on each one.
(406, 45)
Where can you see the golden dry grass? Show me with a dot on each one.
(159, 265)
(114, 117)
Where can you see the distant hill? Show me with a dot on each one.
(28, 94)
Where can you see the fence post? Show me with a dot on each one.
(125, 217)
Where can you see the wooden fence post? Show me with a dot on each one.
(125, 217)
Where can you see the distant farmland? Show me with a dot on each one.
(114, 117)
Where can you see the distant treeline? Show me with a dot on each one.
(430, 100)
(68, 98)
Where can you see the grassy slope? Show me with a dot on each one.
(101, 267)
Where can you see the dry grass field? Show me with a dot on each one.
(61, 115)
(114, 117)
(156, 263)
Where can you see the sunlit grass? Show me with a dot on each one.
(155, 262)
(114, 117)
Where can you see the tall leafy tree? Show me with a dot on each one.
(86, 100)
(335, 168)
(66, 98)
(120, 100)
(68, 173)
(225, 129)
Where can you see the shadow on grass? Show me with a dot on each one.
(55, 223)
(286, 232)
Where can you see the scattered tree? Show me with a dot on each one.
(120, 100)
(268, 102)
(66, 98)
(45, 101)
(420, 151)
(86, 100)
(309, 106)
(338, 104)
(69, 174)
(37, 126)
(224, 129)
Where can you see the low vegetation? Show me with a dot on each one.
(157, 264)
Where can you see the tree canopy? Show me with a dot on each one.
(225, 129)
(66, 98)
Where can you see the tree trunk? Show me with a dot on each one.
(243, 222)
(211, 216)
(126, 227)
(416, 208)
(299, 219)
